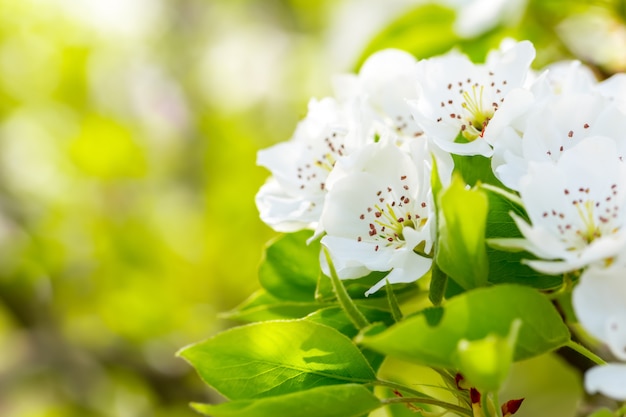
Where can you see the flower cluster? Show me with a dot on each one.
(358, 172)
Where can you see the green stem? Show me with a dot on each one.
(399, 387)
(393, 302)
(585, 352)
(484, 402)
(346, 303)
(438, 284)
(565, 288)
(496, 403)
(430, 401)
(419, 398)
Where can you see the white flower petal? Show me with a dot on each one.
(355, 261)
(301, 166)
(377, 212)
(459, 97)
(598, 301)
(380, 91)
(540, 241)
(408, 267)
(577, 207)
(616, 335)
(556, 116)
(609, 380)
(284, 212)
(564, 77)
(554, 267)
(517, 103)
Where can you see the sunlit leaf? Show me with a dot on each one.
(291, 267)
(262, 306)
(461, 250)
(277, 357)
(475, 315)
(349, 400)
(485, 363)
(336, 318)
(475, 169)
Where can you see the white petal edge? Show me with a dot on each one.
(608, 380)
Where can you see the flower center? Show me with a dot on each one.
(595, 219)
(391, 225)
(387, 218)
(320, 161)
(591, 230)
(477, 114)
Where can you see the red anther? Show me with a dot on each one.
(510, 407)
(474, 396)
(457, 380)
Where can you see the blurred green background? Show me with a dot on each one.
(128, 134)
(128, 137)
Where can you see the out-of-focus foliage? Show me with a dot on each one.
(128, 133)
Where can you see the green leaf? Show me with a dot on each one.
(603, 412)
(262, 306)
(349, 400)
(356, 288)
(475, 169)
(394, 306)
(438, 283)
(453, 289)
(336, 318)
(485, 363)
(504, 266)
(461, 250)
(475, 315)
(435, 182)
(290, 267)
(324, 290)
(424, 32)
(507, 268)
(499, 220)
(277, 357)
(477, 48)
(347, 304)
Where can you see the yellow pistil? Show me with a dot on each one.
(390, 221)
(479, 116)
(592, 230)
(327, 162)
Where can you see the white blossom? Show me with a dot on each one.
(576, 207)
(541, 129)
(292, 198)
(458, 98)
(381, 89)
(377, 215)
(598, 301)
